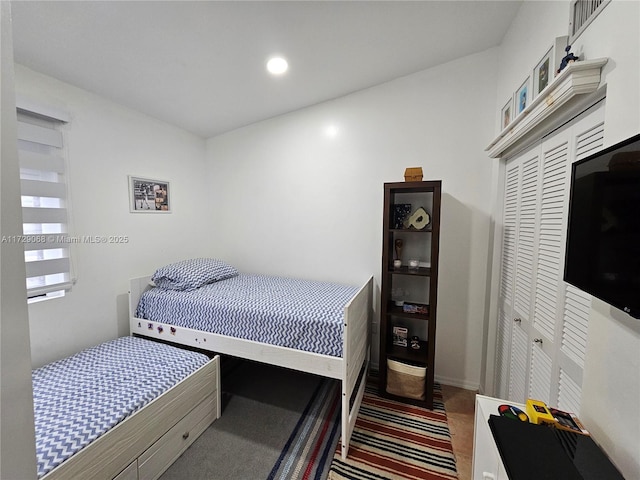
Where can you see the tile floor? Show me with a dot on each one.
(460, 405)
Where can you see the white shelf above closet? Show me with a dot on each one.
(576, 79)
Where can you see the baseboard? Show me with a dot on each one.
(454, 382)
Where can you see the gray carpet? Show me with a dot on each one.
(261, 406)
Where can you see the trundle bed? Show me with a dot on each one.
(125, 409)
(315, 327)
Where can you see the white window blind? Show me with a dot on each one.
(44, 205)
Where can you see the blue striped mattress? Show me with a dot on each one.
(300, 314)
(81, 397)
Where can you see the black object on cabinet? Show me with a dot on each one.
(534, 452)
(409, 291)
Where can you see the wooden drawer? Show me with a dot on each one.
(129, 473)
(157, 458)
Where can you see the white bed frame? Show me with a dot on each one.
(145, 444)
(349, 368)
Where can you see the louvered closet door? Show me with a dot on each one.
(505, 304)
(517, 275)
(561, 312)
(588, 137)
(542, 321)
(548, 285)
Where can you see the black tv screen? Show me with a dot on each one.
(603, 238)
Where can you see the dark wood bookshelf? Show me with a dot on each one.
(423, 325)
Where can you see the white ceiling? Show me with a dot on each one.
(200, 65)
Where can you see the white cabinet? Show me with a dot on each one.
(487, 464)
(542, 321)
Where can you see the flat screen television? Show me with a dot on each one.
(603, 237)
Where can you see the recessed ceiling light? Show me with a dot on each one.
(277, 65)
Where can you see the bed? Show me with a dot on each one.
(315, 327)
(124, 409)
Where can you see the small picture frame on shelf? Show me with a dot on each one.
(400, 335)
(401, 211)
(523, 96)
(506, 114)
(543, 73)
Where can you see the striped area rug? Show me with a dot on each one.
(397, 441)
(308, 452)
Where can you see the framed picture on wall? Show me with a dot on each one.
(543, 73)
(523, 96)
(148, 196)
(507, 114)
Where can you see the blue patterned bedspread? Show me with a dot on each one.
(81, 397)
(300, 314)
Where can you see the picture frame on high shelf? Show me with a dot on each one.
(522, 97)
(543, 73)
(148, 195)
(506, 114)
(546, 69)
(558, 54)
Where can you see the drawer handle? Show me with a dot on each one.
(537, 340)
(185, 435)
(517, 320)
(488, 476)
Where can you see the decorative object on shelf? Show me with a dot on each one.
(413, 265)
(413, 174)
(415, 343)
(397, 264)
(567, 59)
(397, 295)
(398, 244)
(400, 213)
(507, 113)
(148, 196)
(400, 336)
(418, 219)
(409, 308)
(523, 96)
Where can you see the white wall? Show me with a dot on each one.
(281, 197)
(300, 203)
(105, 143)
(611, 382)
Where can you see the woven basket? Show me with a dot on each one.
(405, 380)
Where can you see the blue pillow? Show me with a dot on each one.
(190, 274)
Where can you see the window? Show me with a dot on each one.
(583, 12)
(44, 205)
